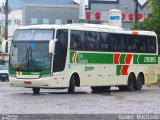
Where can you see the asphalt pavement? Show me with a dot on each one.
(14, 100)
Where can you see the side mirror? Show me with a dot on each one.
(6, 46)
(52, 45)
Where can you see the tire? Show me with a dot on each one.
(131, 80)
(3, 80)
(130, 84)
(139, 82)
(71, 88)
(36, 90)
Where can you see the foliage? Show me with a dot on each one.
(158, 78)
(153, 23)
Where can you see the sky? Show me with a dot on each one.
(1, 1)
(17, 4)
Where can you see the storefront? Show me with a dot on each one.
(97, 11)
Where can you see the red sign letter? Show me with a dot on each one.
(97, 15)
(88, 15)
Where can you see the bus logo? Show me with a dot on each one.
(75, 57)
(19, 73)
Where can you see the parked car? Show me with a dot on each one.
(4, 73)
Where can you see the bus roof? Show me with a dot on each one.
(69, 26)
(91, 27)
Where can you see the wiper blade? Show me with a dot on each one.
(28, 55)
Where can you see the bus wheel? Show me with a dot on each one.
(36, 90)
(131, 80)
(130, 84)
(5, 80)
(139, 82)
(71, 88)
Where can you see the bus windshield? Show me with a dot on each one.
(29, 50)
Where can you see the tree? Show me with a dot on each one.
(153, 22)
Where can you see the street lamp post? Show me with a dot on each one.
(6, 20)
(136, 11)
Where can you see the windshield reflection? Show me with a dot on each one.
(29, 50)
(30, 56)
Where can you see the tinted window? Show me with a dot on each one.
(60, 50)
(77, 39)
(112, 42)
(151, 44)
(33, 34)
(91, 41)
(118, 42)
(139, 43)
(105, 41)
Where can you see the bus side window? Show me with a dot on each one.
(104, 42)
(88, 42)
(116, 43)
(151, 44)
(132, 44)
(76, 40)
(119, 42)
(141, 44)
(123, 47)
(96, 41)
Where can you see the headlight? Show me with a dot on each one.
(12, 75)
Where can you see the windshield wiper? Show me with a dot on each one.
(28, 55)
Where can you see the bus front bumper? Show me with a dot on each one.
(30, 83)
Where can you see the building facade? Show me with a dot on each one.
(98, 11)
(50, 14)
(29, 12)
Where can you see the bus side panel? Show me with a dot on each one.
(151, 72)
(100, 75)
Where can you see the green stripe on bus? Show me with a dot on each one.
(118, 69)
(30, 73)
(145, 59)
(122, 59)
(12, 71)
(135, 59)
(107, 58)
(92, 58)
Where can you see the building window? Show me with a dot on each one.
(34, 21)
(69, 21)
(58, 21)
(45, 21)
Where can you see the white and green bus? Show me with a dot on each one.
(75, 55)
